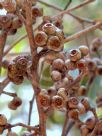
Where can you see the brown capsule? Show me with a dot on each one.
(73, 114)
(91, 64)
(54, 43)
(3, 120)
(73, 102)
(81, 64)
(44, 99)
(57, 101)
(75, 55)
(52, 91)
(16, 79)
(84, 50)
(40, 38)
(17, 23)
(96, 43)
(57, 21)
(37, 11)
(58, 64)
(82, 90)
(99, 70)
(56, 75)
(70, 64)
(90, 122)
(81, 108)
(15, 103)
(62, 92)
(86, 103)
(46, 19)
(11, 134)
(84, 130)
(49, 28)
(12, 69)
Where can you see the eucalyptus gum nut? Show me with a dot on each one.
(73, 114)
(90, 122)
(86, 103)
(82, 90)
(37, 11)
(56, 75)
(52, 91)
(62, 92)
(49, 28)
(40, 38)
(16, 79)
(70, 65)
(54, 43)
(81, 64)
(84, 50)
(58, 64)
(3, 120)
(57, 101)
(73, 102)
(75, 55)
(96, 43)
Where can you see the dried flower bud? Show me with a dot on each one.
(44, 99)
(73, 114)
(62, 92)
(84, 130)
(82, 90)
(75, 54)
(17, 23)
(86, 103)
(49, 28)
(56, 75)
(84, 50)
(3, 120)
(81, 64)
(54, 44)
(57, 101)
(96, 43)
(70, 64)
(58, 22)
(40, 38)
(15, 103)
(81, 108)
(73, 102)
(11, 134)
(90, 122)
(52, 91)
(99, 70)
(91, 64)
(58, 64)
(37, 11)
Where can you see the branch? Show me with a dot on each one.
(83, 32)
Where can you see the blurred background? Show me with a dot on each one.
(25, 92)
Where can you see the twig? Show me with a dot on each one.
(67, 5)
(30, 109)
(73, 8)
(81, 19)
(83, 32)
(3, 37)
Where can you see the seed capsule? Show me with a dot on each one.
(52, 91)
(54, 44)
(49, 28)
(86, 103)
(99, 70)
(57, 101)
(61, 92)
(37, 11)
(58, 64)
(73, 102)
(41, 38)
(44, 99)
(17, 23)
(90, 123)
(82, 90)
(15, 103)
(81, 64)
(91, 64)
(3, 120)
(96, 43)
(84, 50)
(73, 114)
(75, 54)
(56, 75)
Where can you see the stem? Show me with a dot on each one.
(83, 32)
(30, 109)
(3, 37)
(67, 5)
